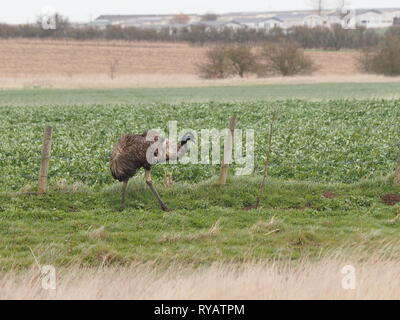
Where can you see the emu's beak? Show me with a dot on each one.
(189, 136)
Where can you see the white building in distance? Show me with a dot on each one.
(369, 18)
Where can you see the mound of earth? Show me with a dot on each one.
(329, 195)
(391, 199)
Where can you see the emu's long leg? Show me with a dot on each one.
(149, 182)
(124, 189)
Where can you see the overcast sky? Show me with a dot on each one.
(21, 11)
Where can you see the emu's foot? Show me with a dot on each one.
(165, 208)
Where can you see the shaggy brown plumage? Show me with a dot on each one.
(131, 153)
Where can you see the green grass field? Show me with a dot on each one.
(207, 224)
(326, 91)
(332, 162)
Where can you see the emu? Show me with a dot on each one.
(135, 151)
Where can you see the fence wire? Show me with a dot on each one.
(101, 171)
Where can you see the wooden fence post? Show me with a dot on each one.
(267, 161)
(228, 148)
(44, 166)
(168, 182)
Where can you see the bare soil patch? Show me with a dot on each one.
(330, 195)
(391, 199)
(21, 57)
(26, 63)
(335, 62)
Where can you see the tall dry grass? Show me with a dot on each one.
(375, 279)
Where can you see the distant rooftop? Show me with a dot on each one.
(256, 20)
(268, 12)
(295, 16)
(214, 23)
(245, 15)
(117, 17)
(361, 11)
(158, 20)
(306, 12)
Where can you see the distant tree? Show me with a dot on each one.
(318, 37)
(228, 60)
(242, 59)
(180, 19)
(338, 37)
(383, 59)
(60, 21)
(217, 64)
(285, 58)
(58, 25)
(276, 33)
(209, 17)
(393, 31)
(364, 38)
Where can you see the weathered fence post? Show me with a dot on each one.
(397, 172)
(228, 148)
(267, 161)
(168, 182)
(44, 165)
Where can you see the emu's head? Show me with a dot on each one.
(165, 149)
(188, 136)
(175, 151)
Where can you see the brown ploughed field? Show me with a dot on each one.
(27, 63)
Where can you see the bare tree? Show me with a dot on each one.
(242, 59)
(217, 64)
(383, 59)
(228, 60)
(285, 58)
(61, 23)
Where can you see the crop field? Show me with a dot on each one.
(335, 141)
(330, 186)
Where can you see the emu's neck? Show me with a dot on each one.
(182, 149)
